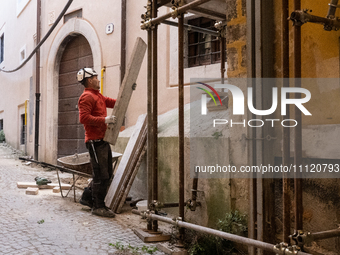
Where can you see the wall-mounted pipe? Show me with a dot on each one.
(102, 80)
(231, 237)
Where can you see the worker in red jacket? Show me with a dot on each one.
(92, 114)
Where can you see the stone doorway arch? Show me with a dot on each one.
(70, 30)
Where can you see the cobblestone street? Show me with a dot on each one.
(49, 224)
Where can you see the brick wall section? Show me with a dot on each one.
(236, 38)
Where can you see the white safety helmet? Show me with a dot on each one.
(84, 73)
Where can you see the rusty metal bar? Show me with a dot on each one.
(170, 205)
(325, 234)
(192, 28)
(223, 57)
(155, 108)
(286, 131)
(231, 237)
(181, 115)
(301, 17)
(298, 203)
(182, 9)
(332, 9)
(251, 73)
(150, 116)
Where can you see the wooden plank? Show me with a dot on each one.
(138, 148)
(32, 191)
(148, 238)
(131, 166)
(126, 191)
(24, 185)
(125, 91)
(119, 175)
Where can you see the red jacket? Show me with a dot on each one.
(92, 112)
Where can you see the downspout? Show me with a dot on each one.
(37, 89)
(102, 80)
(123, 42)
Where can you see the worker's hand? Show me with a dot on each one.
(134, 86)
(110, 119)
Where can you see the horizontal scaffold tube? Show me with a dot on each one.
(325, 234)
(179, 10)
(231, 237)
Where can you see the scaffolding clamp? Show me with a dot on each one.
(146, 24)
(292, 250)
(280, 248)
(178, 219)
(156, 205)
(221, 26)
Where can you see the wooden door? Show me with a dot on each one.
(71, 134)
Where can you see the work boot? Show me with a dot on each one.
(103, 211)
(88, 203)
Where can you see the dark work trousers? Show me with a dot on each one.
(102, 171)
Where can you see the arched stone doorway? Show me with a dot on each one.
(71, 134)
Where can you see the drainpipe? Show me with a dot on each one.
(37, 89)
(26, 102)
(298, 129)
(331, 13)
(286, 131)
(123, 42)
(102, 79)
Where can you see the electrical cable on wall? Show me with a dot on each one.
(43, 40)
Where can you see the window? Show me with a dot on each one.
(203, 49)
(2, 46)
(23, 130)
(1, 124)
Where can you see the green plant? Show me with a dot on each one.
(149, 250)
(233, 222)
(40, 221)
(2, 136)
(133, 250)
(217, 134)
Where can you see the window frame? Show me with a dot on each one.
(196, 40)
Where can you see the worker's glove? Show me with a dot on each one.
(134, 86)
(110, 119)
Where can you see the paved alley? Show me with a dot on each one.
(49, 224)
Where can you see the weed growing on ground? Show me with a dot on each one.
(202, 244)
(133, 250)
(40, 221)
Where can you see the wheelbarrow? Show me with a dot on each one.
(80, 165)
